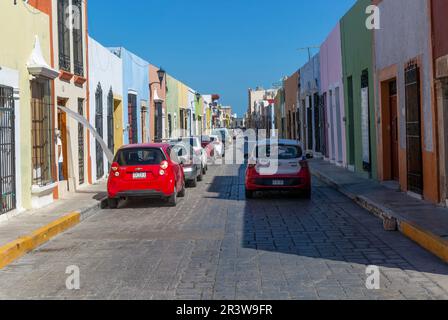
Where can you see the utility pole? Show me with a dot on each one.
(309, 50)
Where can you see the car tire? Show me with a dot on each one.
(112, 203)
(201, 175)
(172, 200)
(192, 183)
(182, 192)
(307, 194)
(249, 194)
(204, 170)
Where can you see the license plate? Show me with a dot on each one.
(278, 182)
(139, 175)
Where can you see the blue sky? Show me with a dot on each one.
(218, 46)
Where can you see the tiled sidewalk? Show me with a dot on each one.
(85, 201)
(423, 222)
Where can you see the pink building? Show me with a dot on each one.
(332, 91)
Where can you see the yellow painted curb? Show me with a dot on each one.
(17, 248)
(427, 240)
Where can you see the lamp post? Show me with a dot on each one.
(158, 112)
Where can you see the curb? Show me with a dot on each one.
(23, 245)
(393, 222)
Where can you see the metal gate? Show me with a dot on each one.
(132, 115)
(81, 143)
(7, 150)
(158, 121)
(110, 121)
(99, 129)
(413, 129)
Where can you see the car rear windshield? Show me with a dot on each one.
(139, 157)
(285, 152)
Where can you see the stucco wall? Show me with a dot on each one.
(106, 70)
(356, 44)
(172, 102)
(161, 93)
(27, 22)
(440, 25)
(331, 80)
(135, 79)
(400, 40)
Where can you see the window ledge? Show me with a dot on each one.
(79, 80)
(42, 191)
(65, 75)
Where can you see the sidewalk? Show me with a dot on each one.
(39, 225)
(421, 221)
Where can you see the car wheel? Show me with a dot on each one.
(204, 170)
(201, 175)
(307, 194)
(249, 194)
(181, 193)
(112, 203)
(172, 200)
(192, 183)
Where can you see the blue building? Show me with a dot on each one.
(135, 97)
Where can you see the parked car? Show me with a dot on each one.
(198, 150)
(292, 171)
(191, 161)
(218, 146)
(208, 146)
(224, 134)
(145, 170)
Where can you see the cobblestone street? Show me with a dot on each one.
(217, 245)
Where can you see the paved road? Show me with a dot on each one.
(216, 245)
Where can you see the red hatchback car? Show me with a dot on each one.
(280, 166)
(145, 170)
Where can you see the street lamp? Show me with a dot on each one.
(161, 74)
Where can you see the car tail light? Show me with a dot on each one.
(114, 168)
(164, 165)
(162, 172)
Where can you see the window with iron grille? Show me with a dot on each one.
(110, 121)
(7, 151)
(78, 56)
(42, 133)
(64, 35)
(81, 143)
(132, 115)
(99, 129)
(413, 129)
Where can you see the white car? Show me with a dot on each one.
(218, 146)
(199, 152)
(224, 134)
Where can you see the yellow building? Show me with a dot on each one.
(26, 88)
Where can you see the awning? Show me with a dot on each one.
(37, 66)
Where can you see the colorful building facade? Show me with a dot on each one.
(28, 176)
(332, 91)
(404, 103)
(106, 101)
(357, 66)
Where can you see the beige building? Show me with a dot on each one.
(27, 99)
(70, 47)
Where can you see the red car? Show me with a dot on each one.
(145, 170)
(280, 166)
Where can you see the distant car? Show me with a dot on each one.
(292, 172)
(192, 162)
(218, 146)
(195, 143)
(145, 170)
(208, 146)
(224, 134)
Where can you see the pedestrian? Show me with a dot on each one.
(60, 155)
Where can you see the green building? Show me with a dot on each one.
(172, 105)
(357, 64)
